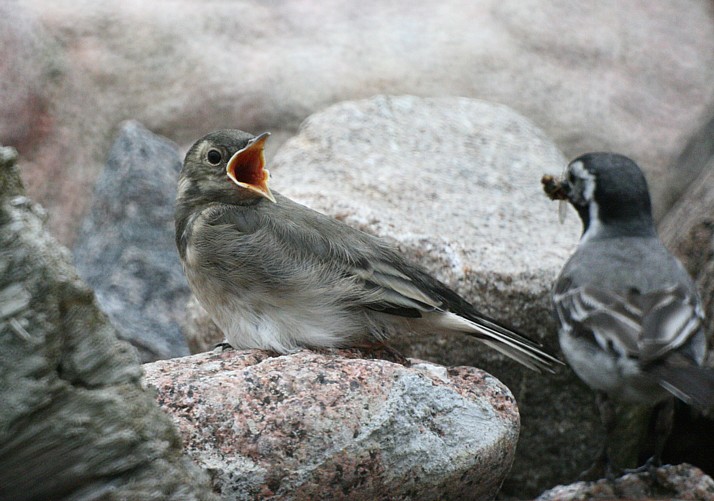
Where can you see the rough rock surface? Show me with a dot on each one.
(126, 250)
(185, 67)
(688, 229)
(74, 420)
(332, 426)
(682, 482)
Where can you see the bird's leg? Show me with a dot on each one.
(602, 467)
(664, 420)
(598, 468)
(381, 350)
(663, 428)
(223, 346)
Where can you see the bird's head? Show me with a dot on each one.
(226, 166)
(605, 189)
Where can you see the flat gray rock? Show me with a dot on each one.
(75, 422)
(333, 425)
(456, 178)
(126, 250)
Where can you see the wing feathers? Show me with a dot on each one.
(399, 289)
(634, 324)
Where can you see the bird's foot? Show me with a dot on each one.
(599, 469)
(650, 467)
(382, 351)
(602, 467)
(223, 346)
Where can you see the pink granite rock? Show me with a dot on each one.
(682, 482)
(328, 425)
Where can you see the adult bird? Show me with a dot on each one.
(276, 275)
(630, 319)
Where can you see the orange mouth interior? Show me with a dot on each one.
(247, 167)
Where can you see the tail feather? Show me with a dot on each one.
(526, 359)
(691, 384)
(493, 325)
(502, 339)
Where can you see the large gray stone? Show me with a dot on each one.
(75, 422)
(126, 251)
(634, 77)
(329, 426)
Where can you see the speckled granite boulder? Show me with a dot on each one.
(331, 426)
(681, 482)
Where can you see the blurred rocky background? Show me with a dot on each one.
(429, 124)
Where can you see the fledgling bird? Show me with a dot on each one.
(276, 275)
(630, 319)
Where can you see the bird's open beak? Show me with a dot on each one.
(246, 168)
(556, 189)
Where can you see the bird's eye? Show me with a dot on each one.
(214, 157)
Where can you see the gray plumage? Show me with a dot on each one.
(631, 321)
(279, 276)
